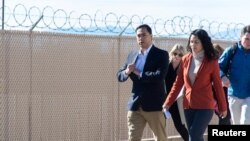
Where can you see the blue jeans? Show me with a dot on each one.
(197, 122)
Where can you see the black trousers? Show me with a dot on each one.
(227, 119)
(177, 121)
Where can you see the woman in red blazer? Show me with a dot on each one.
(199, 70)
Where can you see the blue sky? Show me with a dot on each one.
(213, 10)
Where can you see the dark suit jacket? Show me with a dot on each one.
(149, 91)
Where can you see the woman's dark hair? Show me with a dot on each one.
(144, 26)
(205, 41)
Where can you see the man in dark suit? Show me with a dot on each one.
(147, 69)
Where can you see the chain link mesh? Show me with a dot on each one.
(63, 87)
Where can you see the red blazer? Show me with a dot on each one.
(200, 95)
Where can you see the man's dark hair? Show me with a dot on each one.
(245, 30)
(144, 26)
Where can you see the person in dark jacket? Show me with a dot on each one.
(175, 56)
(226, 120)
(147, 68)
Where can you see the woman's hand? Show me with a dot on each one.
(223, 114)
(165, 106)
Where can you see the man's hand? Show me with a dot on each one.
(136, 72)
(130, 68)
(225, 81)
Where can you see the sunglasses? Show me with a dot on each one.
(179, 54)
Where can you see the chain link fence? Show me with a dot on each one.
(59, 85)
